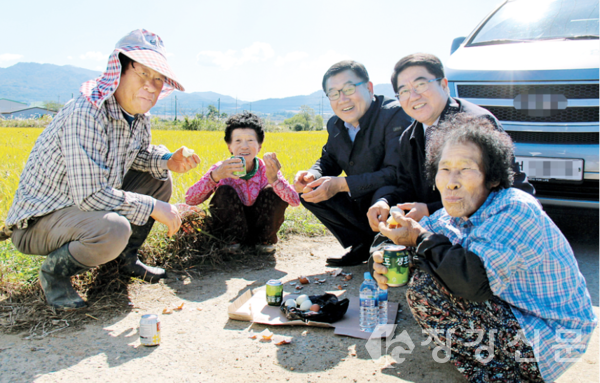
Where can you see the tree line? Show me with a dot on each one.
(305, 120)
(212, 120)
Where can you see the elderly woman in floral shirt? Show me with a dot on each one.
(248, 209)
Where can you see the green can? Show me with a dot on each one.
(241, 173)
(395, 258)
(274, 292)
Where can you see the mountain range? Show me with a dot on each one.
(34, 83)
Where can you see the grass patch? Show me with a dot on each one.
(16, 269)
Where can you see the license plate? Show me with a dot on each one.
(570, 169)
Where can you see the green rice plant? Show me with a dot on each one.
(15, 145)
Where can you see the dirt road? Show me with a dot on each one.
(201, 344)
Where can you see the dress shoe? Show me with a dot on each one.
(357, 255)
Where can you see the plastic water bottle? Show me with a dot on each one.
(383, 303)
(369, 307)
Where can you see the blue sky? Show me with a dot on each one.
(250, 49)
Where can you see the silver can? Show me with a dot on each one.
(242, 172)
(150, 330)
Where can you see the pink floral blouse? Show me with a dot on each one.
(247, 190)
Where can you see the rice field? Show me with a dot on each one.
(295, 150)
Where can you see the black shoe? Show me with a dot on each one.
(131, 264)
(138, 269)
(357, 255)
(55, 279)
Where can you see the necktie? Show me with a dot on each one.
(428, 133)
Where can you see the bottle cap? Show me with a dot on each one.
(368, 275)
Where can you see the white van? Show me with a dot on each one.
(535, 65)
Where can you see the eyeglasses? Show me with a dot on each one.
(156, 82)
(419, 88)
(348, 89)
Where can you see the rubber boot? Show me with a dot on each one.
(55, 278)
(131, 264)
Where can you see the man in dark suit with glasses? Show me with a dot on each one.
(362, 143)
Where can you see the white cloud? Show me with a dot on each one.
(225, 60)
(70, 57)
(9, 57)
(290, 57)
(257, 52)
(96, 56)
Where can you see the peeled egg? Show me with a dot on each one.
(305, 306)
(187, 152)
(392, 224)
(290, 303)
(315, 308)
(301, 299)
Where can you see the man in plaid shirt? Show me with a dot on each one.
(93, 184)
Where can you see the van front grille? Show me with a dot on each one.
(588, 190)
(568, 115)
(570, 91)
(554, 138)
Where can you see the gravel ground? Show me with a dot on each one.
(201, 344)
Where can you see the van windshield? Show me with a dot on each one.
(526, 20)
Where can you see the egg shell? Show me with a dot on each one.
(397, 210)
(301, 299)
(305, 306)
(290, 303)
(316, 308)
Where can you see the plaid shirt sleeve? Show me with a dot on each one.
(150, 159)
(85, 147)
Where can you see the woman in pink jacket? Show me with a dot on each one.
(248, 209)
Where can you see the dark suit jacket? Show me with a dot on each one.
(370, 162)
(412, 186)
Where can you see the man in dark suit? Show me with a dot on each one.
(422, 89)
(362, 143)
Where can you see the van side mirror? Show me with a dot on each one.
(456, 43)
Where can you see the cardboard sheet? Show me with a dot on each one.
(253, 307)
